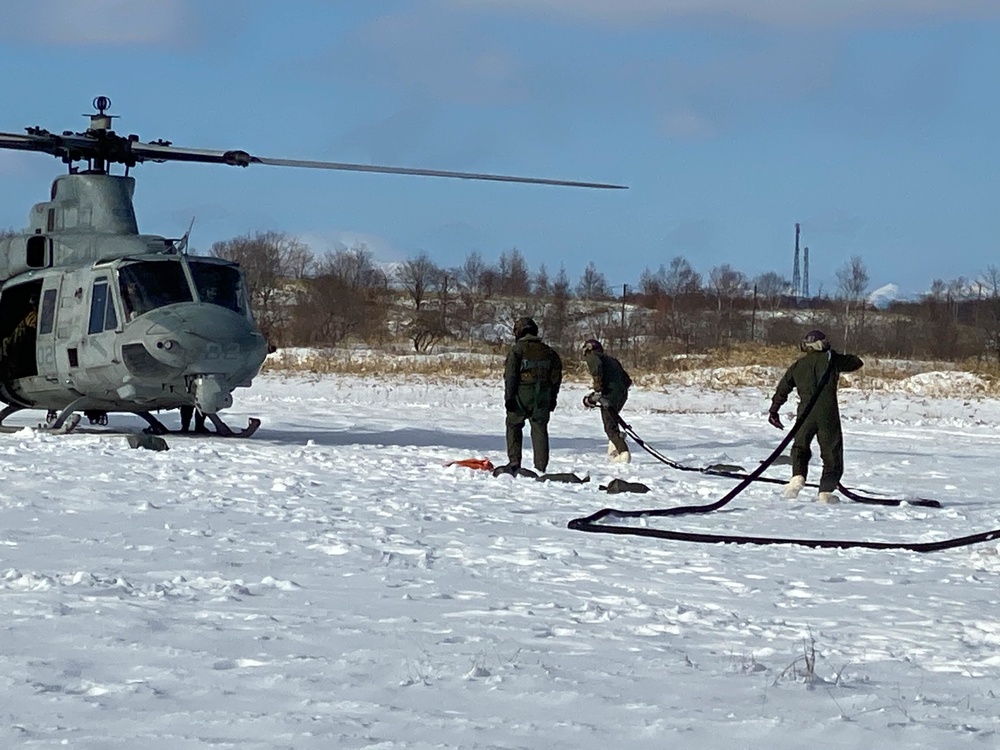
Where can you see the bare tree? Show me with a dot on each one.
(269, 260)
(515, 279)
(653, 284)
(470, 273)
(555, 320)
(445, 284)
(425, 331)
(540, 284)
(990, 280)
(772, 286)
(681, 278)
(852, 279)
(355, 266)
(490, 282)
(852, 283)
(593, 285)
(682, 285)
(347, 296)
(728, 284)
(416, 275)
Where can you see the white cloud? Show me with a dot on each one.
(813, 13)
(115, 22)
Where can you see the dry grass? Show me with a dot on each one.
(732, 367)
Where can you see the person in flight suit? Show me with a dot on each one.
(823, 421)
(17, 352)
(532, 377)
(611, 383)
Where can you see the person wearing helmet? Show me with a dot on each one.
(823, 421)
(532, 376)
(611, 384)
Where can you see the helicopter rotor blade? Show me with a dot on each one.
(160, 153)
(19, 142)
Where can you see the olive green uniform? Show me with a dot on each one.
(612, 382)
(823, 421)
(532, 376)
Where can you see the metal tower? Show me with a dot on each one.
(805, 272)
(796, 278)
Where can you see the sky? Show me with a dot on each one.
(330, 583)
(871, 123)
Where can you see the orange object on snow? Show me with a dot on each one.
(483, 464)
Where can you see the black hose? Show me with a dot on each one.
(592, 523)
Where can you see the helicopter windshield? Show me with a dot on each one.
(218, 284)
(150, 284)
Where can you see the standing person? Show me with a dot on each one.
(531, 379)
(611, 384)
(823, 421)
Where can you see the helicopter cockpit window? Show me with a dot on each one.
(219, 285)
(148, 285)
(102, 308)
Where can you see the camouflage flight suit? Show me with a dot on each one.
(611, 381)
(823, 421)
(19, 345)
(532, 376)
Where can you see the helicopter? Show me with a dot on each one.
(96, 317)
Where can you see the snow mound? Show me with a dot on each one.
(941, 383)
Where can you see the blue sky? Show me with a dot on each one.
(872, 123)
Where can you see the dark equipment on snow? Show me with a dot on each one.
(616, 486)
(564, 477)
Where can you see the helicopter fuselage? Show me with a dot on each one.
(97, 317)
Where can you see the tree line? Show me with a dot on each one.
(301, 299)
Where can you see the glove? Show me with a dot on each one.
(590, 400)
(511, 404)
(775, 420)
(603, 401)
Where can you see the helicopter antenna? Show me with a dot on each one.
(101, 120)
(181, 245)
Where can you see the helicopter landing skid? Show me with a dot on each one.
(56, 424)
(156, 427)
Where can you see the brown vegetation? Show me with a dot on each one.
(674, 321)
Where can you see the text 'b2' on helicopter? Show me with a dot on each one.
(96, 317)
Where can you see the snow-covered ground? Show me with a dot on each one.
(329, 583)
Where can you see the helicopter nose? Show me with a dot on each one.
(202, 338)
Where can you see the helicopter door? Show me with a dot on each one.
(46, 330)
(99, 346)
(18, 331)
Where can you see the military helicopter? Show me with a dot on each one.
(97, 318)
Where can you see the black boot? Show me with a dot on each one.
(512, 468)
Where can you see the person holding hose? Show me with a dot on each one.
(823, 422)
